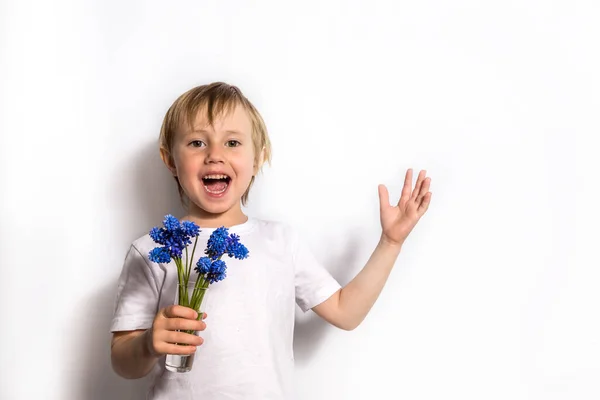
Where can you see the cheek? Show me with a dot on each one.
(245, 169)
(186, 164)
(245, 164)
(182, 168)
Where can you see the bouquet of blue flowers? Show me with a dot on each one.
(175, 238)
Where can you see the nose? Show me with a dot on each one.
(214, 155)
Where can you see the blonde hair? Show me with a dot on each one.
(218, 99)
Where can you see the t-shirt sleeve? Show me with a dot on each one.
(137, 298)
(313, 283)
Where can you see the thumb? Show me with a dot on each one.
(384, 198)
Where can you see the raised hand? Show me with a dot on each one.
(398, 221)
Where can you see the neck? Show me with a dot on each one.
(204, 219)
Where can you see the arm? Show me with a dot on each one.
(348, 307)
(130, 354)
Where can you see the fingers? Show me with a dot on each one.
(168, 348)
(174, 311)
(203, 316)
(425, 203)
(421, 195)
(182, 338)
(423, 190)
(405, 195)
(406, 189)
(176, 317)
(415, 193)
(168, 342)
(169, 334)
(182, 324)
(384, 197)
(421, 187)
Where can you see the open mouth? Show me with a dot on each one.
(216, 184)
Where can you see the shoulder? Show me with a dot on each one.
(143, 244)
(140, 249)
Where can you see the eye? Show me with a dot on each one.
(197, 143)
(233, 143)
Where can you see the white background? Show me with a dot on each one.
(495, 295)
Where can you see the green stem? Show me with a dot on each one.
(197, 296)
(186, 273)
(193, 251)
(198, 284)
(183, 299)
(199, 292)
(185, 276)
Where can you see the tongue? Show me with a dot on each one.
(216, 185)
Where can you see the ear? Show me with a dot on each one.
(168, 160)
(261, 160)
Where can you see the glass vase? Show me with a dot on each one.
(193, 297)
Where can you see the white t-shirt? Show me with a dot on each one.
(248, 343)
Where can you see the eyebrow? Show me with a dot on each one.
(230, 132)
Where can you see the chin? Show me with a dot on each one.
(212, 207)
(216, 209)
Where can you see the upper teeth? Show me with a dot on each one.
(215, 177)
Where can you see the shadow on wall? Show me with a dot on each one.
(154, 190)
(310, 330)
(97, 381)
(144, 191)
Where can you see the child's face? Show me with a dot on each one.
(214, 164)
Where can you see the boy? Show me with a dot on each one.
(214, 142)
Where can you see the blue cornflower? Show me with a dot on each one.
(190, 229)
(203, 265)
(234, 248)
(158, 235)
(171, 223)
(175, 245)
(217, 242)
(160, 255)
(174, 236)
(217, 271)
(233, 239)
(213, 270)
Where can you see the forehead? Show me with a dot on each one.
(234, 119)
